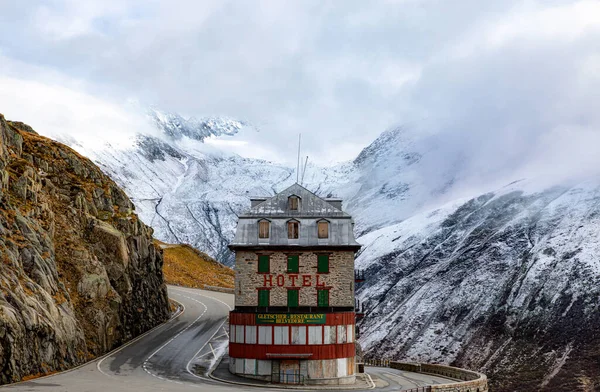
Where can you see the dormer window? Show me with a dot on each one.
(293, 202)
(263, 229)
(323, 229)
(293, 229)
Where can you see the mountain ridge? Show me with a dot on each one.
(418, 238)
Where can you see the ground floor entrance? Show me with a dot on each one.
(289, 372)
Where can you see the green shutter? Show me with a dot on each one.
(323, 263)
(263, 263)
(292, 298)
(293, 264)
(323, 298)
(263, 297)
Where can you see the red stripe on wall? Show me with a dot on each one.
(342, 318)
(260, 351)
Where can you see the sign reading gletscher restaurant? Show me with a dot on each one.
(290, 318)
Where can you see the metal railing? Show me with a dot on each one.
(358, 307)
(359, 275)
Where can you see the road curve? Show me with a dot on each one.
(162, 359)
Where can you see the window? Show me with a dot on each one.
(322, 264)
(323, 229)
(264, 264)
(265, 335)
(329, 333)
(263, 297)
(293, 202)
(293, 229)
(350, 333)
(263, 229)
(292, 298)
(323, 298)
(341, 334)
(250, 334)
(293, 264)
(298, 334)
(239, 334)
(281, 335)
(315, 334)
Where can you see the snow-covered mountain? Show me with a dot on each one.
(505, 281)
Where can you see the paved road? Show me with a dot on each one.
(162, 360)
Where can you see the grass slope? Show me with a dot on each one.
(186, 266)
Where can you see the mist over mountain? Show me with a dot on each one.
(467, 263)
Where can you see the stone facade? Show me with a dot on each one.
(294, 327)
(339, 280)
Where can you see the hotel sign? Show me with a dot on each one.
(290, 318)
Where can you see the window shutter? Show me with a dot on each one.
(293, 263)
(263, 263)
(323, 229)
(293, 230)
(323, 298)
(263, 229)
(263, 297)
(292, 298)
(323, 263)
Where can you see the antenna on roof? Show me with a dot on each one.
(298, 162)
(304, 171)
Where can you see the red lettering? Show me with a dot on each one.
(306, 281)
(280, 280)
(293, 279)
(318, 283)
(269, 279)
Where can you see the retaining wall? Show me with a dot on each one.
(470, 381)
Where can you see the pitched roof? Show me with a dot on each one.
(309, 205)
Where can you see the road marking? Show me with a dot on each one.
(145, 364)
(207, 296)
(198, 352)
(371, 380)
(177, 315)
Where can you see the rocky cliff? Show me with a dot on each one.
(79, 273)
(507, 283)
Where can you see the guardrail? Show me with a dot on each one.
(220, 289)
(466, 380)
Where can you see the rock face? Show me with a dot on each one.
(79, 273)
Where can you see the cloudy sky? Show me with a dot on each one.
(502, 79)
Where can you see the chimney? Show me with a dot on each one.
(254, 201)
(337, 203)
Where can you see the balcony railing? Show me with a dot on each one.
(359, 276)
(358, 309)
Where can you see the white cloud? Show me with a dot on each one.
(531, 23)
(505, 82)
(60, 112)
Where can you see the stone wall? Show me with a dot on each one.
(471, 381)
(340, 278)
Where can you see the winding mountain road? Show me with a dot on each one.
(163, 359)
